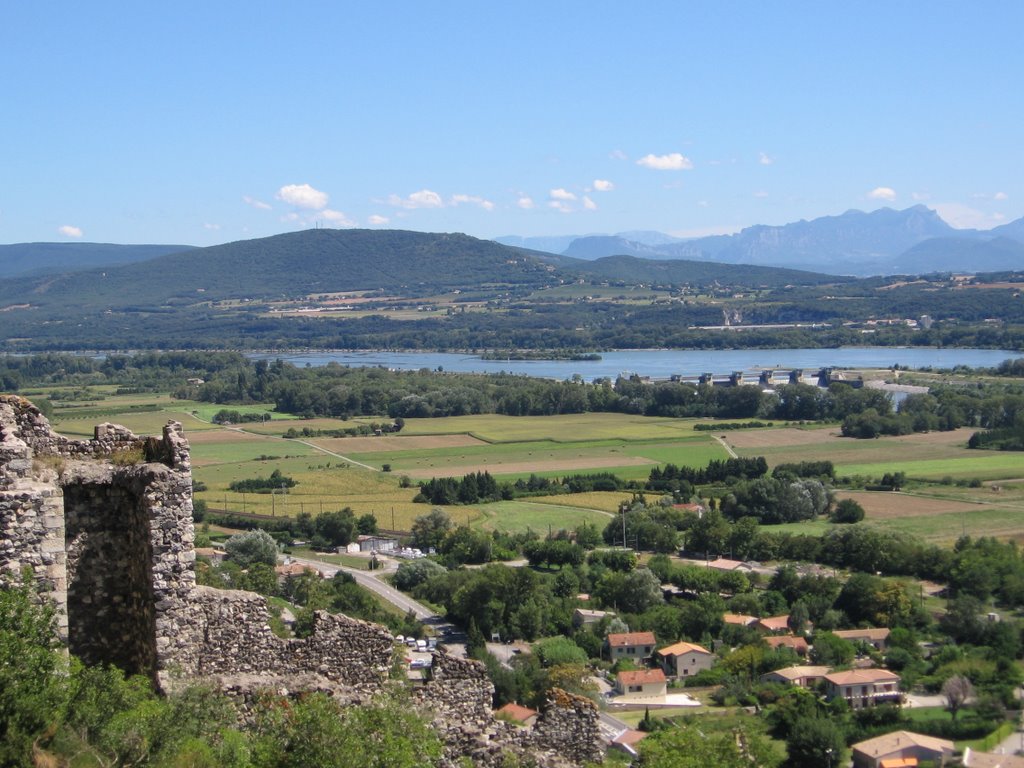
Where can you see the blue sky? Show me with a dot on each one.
(208, 122)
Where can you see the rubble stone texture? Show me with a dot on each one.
(104, 529)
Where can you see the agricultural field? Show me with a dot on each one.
(336, 472)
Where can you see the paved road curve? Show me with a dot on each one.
(451, 634)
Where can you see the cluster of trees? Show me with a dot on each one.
(324, 531)
(228, 416)
(471, 489)
(275, 482)
(671, 478)
(479, 487)
(772, 500)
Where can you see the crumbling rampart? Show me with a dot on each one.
(104, 528)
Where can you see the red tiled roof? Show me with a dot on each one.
(863, 677)
(787, 641)
(623, 639)
(682, 647)
(517, 712)
(641, 677)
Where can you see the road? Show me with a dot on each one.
(452, 635)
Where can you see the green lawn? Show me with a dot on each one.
(984, 465)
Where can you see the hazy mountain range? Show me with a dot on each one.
(883, 242)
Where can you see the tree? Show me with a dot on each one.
(956, 690)
(428, 531)
(338, 528)
(412, 573)
(815, 742)
(29, 672)
(847, 511)
(251, 547)
(367, 524)
(831, 651)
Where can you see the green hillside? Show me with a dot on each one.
(292, 265)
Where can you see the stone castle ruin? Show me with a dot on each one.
(104, 527)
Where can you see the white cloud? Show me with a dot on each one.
(671, 162)
(964, 217)
(603, 185)
(589, 204)
(764, 159)
(377, 220)
(560, 205)
(525, 202)
(487, 205)
(337, 217)
(255, 203)
(303, 196)
(69, 231)
(618, 154)
(1000, 196)
(425, 198)
(561, 194)
(761, 194)
(921, 196)
(211, 227)
(882, 193)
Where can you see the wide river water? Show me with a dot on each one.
(664, 363)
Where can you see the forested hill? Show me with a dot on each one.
(292, 265)
(323, 261)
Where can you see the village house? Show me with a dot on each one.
(635, 646)
(793, 642)
(642, 684)
(803, 676)
(293, 569)
(899, 748)
(584, 617)
(517, 713)
(685, 659)
(876, 637)
(864, 687)
(627, 741)
(739, 619)
(774, 625)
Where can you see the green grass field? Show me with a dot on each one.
(523, 516)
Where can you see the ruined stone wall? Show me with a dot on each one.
(568, 726)
(104, 526)
(228, 633)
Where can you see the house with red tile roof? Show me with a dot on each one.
(876, 637)
(774, 625)
(901, 748)
(635, 646)
(739, 619)
(685, 659)
(864, 687)
(642, 683)
(517, 713)
(794, 642)
(803, 676)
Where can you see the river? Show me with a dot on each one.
(664, 363)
